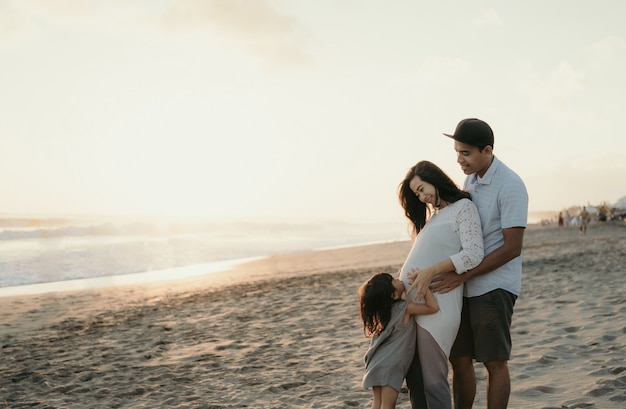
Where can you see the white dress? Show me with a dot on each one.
(454, 232)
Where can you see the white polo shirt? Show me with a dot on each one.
(502, 202)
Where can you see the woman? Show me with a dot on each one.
(447, 236)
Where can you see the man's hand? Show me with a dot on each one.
(446, 282)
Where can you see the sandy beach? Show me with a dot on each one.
(284, 332)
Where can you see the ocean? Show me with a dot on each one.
(39, 254)
(42, 254)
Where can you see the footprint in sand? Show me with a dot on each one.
(599, 391)
(545, 389)
(285, 386)
(547, 360)
(537, 390)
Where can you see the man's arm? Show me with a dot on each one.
(512, 247)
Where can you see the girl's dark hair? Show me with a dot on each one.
(416, 211)
(376, 299)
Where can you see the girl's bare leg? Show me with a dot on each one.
(389, 397)
(377, 397)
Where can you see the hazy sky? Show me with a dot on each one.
(301, 109)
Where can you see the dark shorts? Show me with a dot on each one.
(485, 331)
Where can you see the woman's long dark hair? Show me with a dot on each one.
(416, 211)
(376, 299)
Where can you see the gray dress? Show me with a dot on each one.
(390, 353)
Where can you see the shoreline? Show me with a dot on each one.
(148, 277)
(203, 271)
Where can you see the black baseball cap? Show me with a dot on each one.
(473, 132)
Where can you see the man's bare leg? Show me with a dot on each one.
(498, 384)
(463, 382)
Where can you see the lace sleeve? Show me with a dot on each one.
(470, 232)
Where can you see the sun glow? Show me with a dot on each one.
(191, 108)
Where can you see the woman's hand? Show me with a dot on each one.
(410, 276)
(420, 280)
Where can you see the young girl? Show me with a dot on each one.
(387, 319)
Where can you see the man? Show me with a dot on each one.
(491, 288)
(584, 221)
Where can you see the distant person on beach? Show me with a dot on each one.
(561, 219)
(491, 289)
(447, 236)
(584, 220)
(387, 318)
